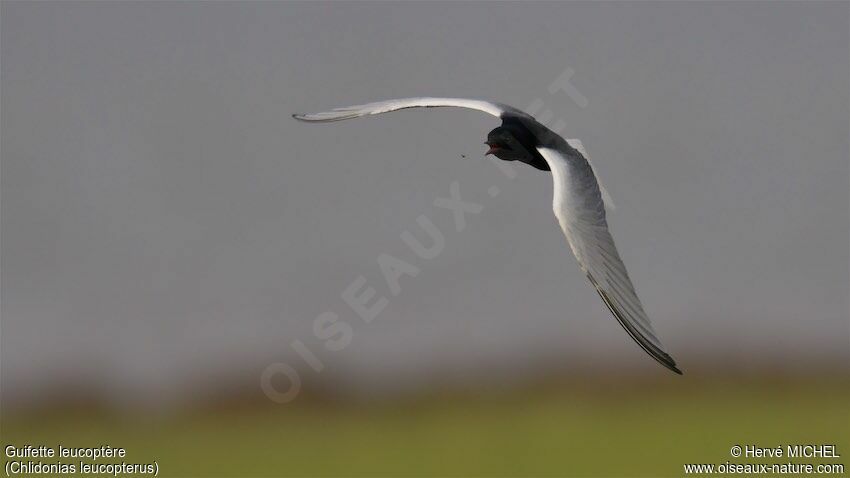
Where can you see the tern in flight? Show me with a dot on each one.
(578, 202)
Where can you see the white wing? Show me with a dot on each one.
(579, 207)
(606, 198)
(348, 112)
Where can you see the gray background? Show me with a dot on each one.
(166, 223)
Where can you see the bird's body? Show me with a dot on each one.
(578, 201)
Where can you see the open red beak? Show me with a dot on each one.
(492, 150)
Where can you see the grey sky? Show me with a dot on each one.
(164, 217)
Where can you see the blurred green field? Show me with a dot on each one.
(608, 430)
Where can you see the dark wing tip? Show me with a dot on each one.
(659, 355)
(675, 369)
(662, 357)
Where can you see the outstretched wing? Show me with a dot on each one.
(496, 109)
(579, 207)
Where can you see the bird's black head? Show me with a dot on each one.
(514, 144)
(504, 145)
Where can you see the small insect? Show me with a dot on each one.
(462, 156)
